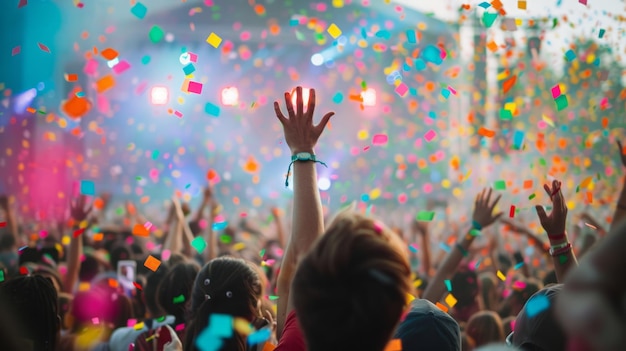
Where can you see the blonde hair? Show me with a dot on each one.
(485, 327)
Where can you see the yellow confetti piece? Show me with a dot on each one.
(214, 40)
(65, 240)
(84, 286)
(501, 276)
(138, 326)
(548, 120)
(239, 246)
(417, 283)
(334, 31)
(409, 298)
(450, 300)
(586, 182)
(242, 326)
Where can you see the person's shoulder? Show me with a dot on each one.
(292, 338)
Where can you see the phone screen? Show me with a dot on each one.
(126, 274)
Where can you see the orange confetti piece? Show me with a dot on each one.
(71, 77)
(109, 54)
(105, 83)
(76, 107)
(442, 306)
(251, 165)
(98, 204)
(486, 132)
(508, 84)
(211, 174)
(140, 230)
(152, 263)
(528, 184)
(394, 345)
(31, 110)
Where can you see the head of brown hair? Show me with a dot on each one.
(485, 327)
(351, 289)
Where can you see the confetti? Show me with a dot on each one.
(16, 50)
(214, 40)
(394, 345)
(486, 132)
(259, 336)
(501, 275)
(425, 216)
(87, 187)
(105, 83)
(536, 305)
(156, 34)
(152, 263)
(430, 135)
(139, 10)
(450, 300)
(199, 244)
(499, 185)
(380, 139)
(212, 109)
(140, 230)
(334, 31)
(43, 48)
(195, 87)
(448, 284)
(561, 102)
(512, 211)
(178, 299)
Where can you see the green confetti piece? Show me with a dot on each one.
(155, 154)
(161, 319)
(542, 162)
(1, 275)
(226, 239)
(425, 216)
(561, 102)
(272, 297)
(475, 232)
(179, 299)
(139, 10)
(199, 244)
(137, 178)
(489, 18)
(506, 114)
(448, 284)
(364, 85)
(562, 259)
(601, 34)
(499, 185)
(532, 196)
(145, 60)
(156, 34)
(262, 253)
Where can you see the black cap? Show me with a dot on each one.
(426, 327)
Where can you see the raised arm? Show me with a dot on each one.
(421, 229)
(620, 208)
(208, 201)
(280, 228)
(482, 217)
(11, 221)
(79, 212)
(301, 136)
(554, 224)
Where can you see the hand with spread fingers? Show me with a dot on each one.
(79, 210)
(301, 134)
(483, 209)
(554, 224)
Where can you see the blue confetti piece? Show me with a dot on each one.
(221, 325)
(365, 198)
(601, 34)
(87, 187)
(259, 336)
(145, 60)
(139, 10)
(489, 18)
(294, 22)
(219, 225)
(484, 5)
(519, 265)
(448, 284)
(570, 55)
(432, 54)
(536, 305)
(189, 69)
(420, 64)
(411, 37)
(413, 91)
(444, 247)
(383, 34)
(212, 109)
(413, 248)
(406, 67)
(338, 98)
(432, 114)
(445, 93)
(518, 139)
(363, 33)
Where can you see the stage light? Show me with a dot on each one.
(323, 183)
(369, 97)
(159, 95)
(230, 96)
(317, 59)
(305, 97)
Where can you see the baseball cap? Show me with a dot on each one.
(426, 327)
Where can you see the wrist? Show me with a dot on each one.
(303, 149)
(557, 238)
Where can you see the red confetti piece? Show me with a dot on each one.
(22, 3)
(3, 224)
(137, 286)
(78, 232)
(16, 50)
(23, 270)
(512, 211)
(43, 47)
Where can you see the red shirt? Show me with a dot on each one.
(292, 338)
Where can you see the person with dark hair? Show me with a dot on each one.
(465, 290)
(427, 327)
(123, 337)
(29, 309)
(485, 327)
(224, 287)
(173, 297)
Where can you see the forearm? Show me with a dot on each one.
(620, 209)
(210, 236)
(308, 221)
(563, 259)
(280, 230)
(73, 261)
(436, 287)
(12, 225)
(426, 254)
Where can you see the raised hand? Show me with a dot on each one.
(553, 224)
(483, 209)
(622, 156)
(79, 209)
(300, 133)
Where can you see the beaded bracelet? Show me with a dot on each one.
(558, 252)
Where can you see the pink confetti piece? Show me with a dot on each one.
(452, 90)
(91, 67)
(195, 87)
(430, 135)
(16, 50)
(584, 2)
(22, 3)
(141, 88)
(556, 91)
(121, 67)
(43, 47)
(193, 57)
(402, 89)
(178, 114)
(380, 139)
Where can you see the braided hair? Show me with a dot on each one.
(30, 303)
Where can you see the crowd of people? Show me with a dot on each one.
(349, 282)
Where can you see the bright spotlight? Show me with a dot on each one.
(369, 97)
(159, 95)
(323, 183)
(317, 59)
(305, 97)
(230, 96)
